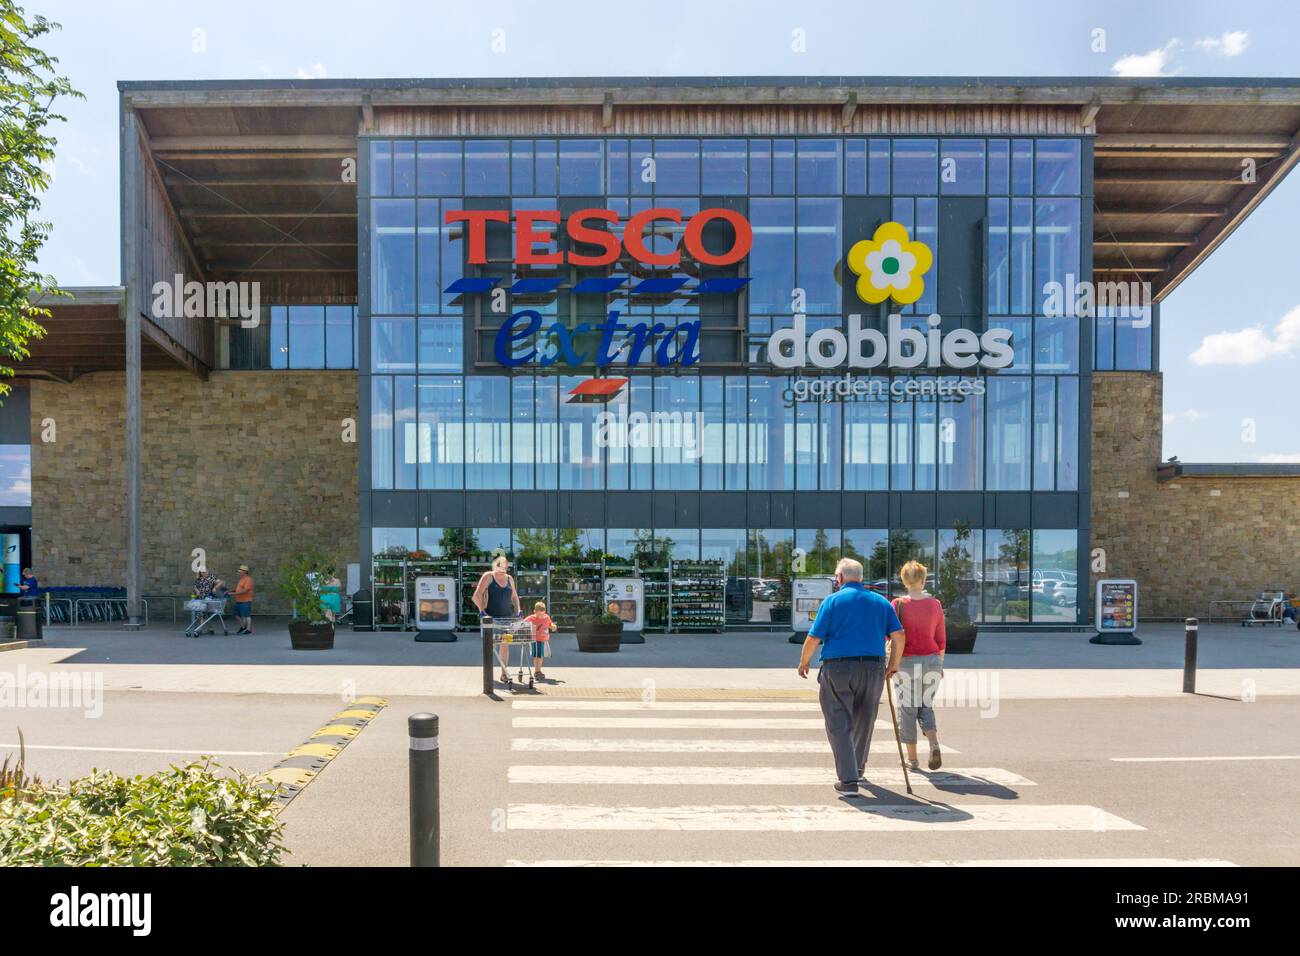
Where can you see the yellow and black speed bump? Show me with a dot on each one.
(303, 763)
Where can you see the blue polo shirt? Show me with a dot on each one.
(854, 622)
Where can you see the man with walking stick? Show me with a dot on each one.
(851, 627)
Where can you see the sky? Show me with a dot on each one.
(1230, 334)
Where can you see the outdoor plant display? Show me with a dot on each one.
(196, 815)
(300, 582)
(598, 630)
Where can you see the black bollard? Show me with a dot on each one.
(423, 730)
(485, 629)
(1192, 628)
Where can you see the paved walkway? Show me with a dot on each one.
(1234, 662)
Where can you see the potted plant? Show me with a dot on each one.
(599, 631)
(300, 582)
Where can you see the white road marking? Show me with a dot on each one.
(1201, 759)
(149, 750)
(739, 705)
(586, 774)
(687, 746)
(680, 723)
(838, 816)
(1155, 861)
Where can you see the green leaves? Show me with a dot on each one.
(192, 815)
(28, 89)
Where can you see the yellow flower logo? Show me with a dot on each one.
(889, 265)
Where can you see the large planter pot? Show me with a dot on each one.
(311, 637)
(599, 638)
(961, 639)
(780, 615)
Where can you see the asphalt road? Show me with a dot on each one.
(528, 781)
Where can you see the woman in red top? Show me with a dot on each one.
(924, 641)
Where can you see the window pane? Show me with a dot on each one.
(771, 260)
(581, 165)
(916, 164)
(1008, 417)
(1057, 167)
(855, 167)
(279, 336)
(1022, 167)
(1044, 434)
(677, 167)
(616, 171)
(999, 268)
(306, 336)
(441, 344)
(405, 432)
(1056, 243)
(878, 162)
(999, 167)
(393, 256)
(1006, 576)
(819, 246)
(769, 556)
(439, 167)
(16, 476)
(1133, 341)
(770, 437)
(676, 451)
(866, 445)
(760, 167)
(962, 168)
(961, 443)
(441, 429)
(339, 336)
(955, 581)
(521, 167)
(1055, 582)
(871, 547)
(544, 171)
(783, 183)
(381, 432)
(487, 168)
(1056, 344)
(487, 432)
(392, 345)
(1067, 433)
(724, 168)
(819, 167)
(404, 167)
(1022, 244)
(381, 168)
(581, 459)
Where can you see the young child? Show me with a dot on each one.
(542, 628)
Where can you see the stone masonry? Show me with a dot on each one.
(249, 466)
(1185, 544)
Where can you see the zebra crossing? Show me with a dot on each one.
(591, 774)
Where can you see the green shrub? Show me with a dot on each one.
(300, 582)
(182, 816)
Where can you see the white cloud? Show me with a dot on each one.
(1278, 459)
(314, 72)
(1189, 416)
(1252, 345)
(1231, 43)
(1151, 63)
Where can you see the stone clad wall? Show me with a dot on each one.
(247, 465)
(1185, 545)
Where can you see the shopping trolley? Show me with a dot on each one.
(508, 633)
(203, 611)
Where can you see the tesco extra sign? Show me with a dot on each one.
(593, 227)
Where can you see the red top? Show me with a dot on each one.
(542, 625)
(923, 625)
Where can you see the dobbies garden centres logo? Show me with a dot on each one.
(890, 265)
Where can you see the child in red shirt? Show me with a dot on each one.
(542, 628)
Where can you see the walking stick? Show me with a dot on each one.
(889, 690)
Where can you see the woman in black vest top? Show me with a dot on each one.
(496, 596)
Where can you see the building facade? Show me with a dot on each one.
(640, 319)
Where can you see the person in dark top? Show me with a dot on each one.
(496, 596)
(28, 585)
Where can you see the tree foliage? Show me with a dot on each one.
(29, 88)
